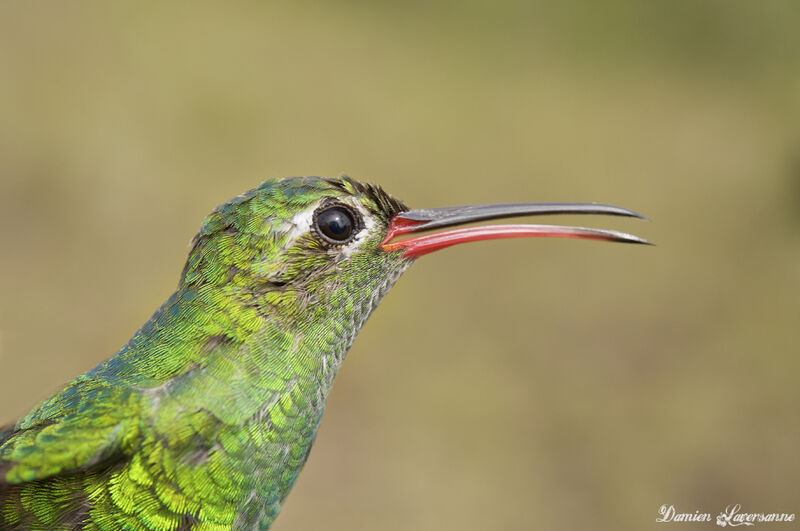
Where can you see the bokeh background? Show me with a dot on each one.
(542, 384)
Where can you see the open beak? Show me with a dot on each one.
(415, 221)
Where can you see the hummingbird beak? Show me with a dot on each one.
(414, 221)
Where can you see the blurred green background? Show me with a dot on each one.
(543, 384)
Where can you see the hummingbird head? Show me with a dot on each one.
(321, 252)
(300, 250)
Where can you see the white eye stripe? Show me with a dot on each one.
(367, 226)
(301, 223)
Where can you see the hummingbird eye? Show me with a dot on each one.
(335, 223)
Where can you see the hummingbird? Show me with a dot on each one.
(205, 418)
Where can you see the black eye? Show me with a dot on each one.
(336, 224)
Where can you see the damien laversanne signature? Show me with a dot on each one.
(731, 516)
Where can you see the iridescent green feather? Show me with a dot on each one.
(206, 417)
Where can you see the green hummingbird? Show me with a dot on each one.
(204, 419)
